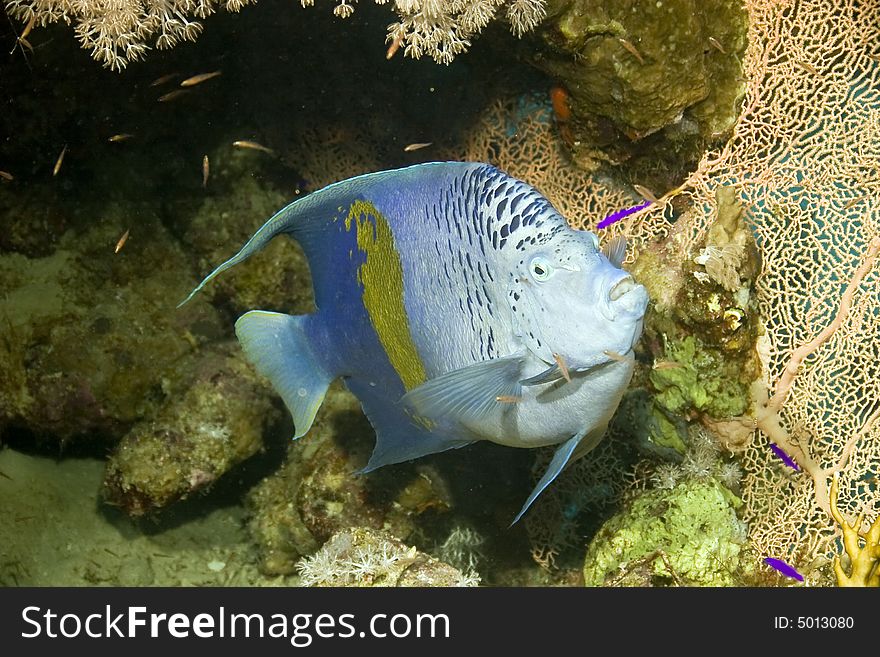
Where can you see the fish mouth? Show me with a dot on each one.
(622, 286)
(626, 299)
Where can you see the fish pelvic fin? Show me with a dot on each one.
(279, 348)
(570, 451)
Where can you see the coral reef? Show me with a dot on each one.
(864, 560)
(121, 32)
(366, 557)
(444, 28)
(214, 417)
(318, 492)
(687, 536)
(702, 329)
(463, 549)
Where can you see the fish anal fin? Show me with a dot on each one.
(398, 437)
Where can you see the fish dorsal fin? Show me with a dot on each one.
(309, 219)
(469, 394)
(279, 348)
(615, 250)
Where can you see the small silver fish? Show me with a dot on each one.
(201, 77)
(252, 145)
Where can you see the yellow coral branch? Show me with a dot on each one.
(865, 561)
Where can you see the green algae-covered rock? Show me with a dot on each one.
(688, 535)
(699, 378)
(633, 68)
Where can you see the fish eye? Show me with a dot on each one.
(540, 269)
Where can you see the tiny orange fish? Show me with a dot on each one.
(809, 68)
(198, 79)
(58, 162)
(665, 365)
(613, 355)
(417, 146)
(122, 241)
(561, 106)
(28, 27)
(253, 146)
(163, 79)
(171, 95)
(563, 368)
(645, 193)
(393, 48)
(206, 169)
(120, 137)
(853, 202)
(508, 399)
(631, 49)
(6, 176)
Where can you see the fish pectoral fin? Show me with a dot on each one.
(467, 394)
(278, 347)
(555, 372)
(560, 459)
(550, 375)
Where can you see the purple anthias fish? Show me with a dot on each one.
(458, 305)
(614, 217)
(785, 457)
(784, 568)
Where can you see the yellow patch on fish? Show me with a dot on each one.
(381, 277)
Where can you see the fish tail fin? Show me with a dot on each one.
(280, 349)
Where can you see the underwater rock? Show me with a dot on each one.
(365, 557)
(87, 335)
(223, 221)
(688, 535)
(661, 78)
(318, 491)
(214, 418)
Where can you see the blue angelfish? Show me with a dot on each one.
(458, 305)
